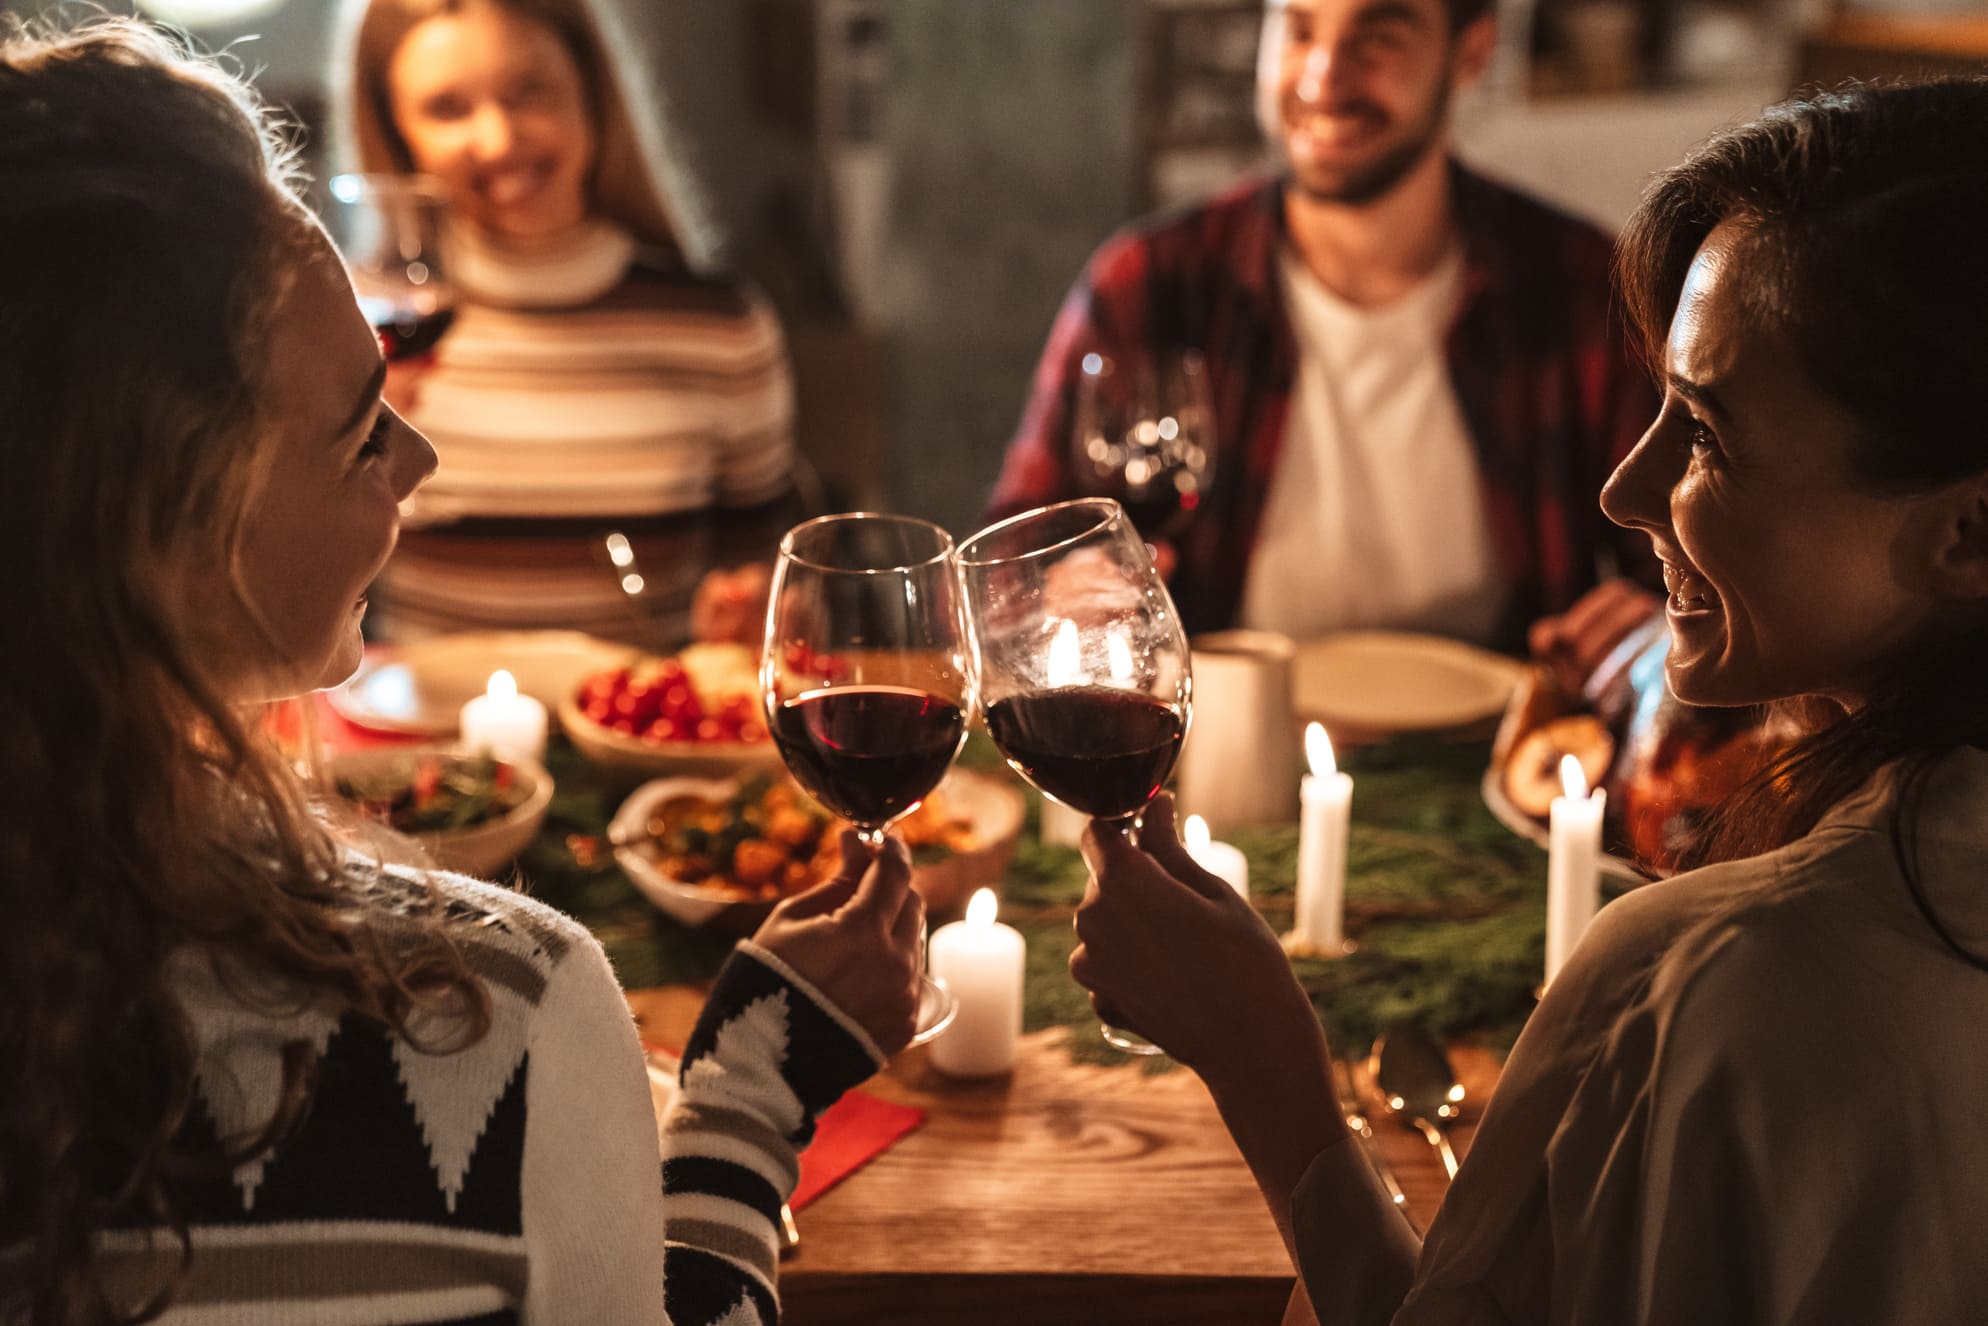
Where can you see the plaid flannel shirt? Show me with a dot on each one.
(1550, 387)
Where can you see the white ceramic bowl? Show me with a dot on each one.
(990, 802)
(638, 757)
(480, 848)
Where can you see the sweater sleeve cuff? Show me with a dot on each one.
(763, 1022)
(856, 1033)
(1356, 1251)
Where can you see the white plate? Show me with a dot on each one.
(1389, 681)
(1525, 826)
(421, 687)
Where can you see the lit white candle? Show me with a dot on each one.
(1325, 805)
(1573, 864)
(981, 961)
(1221, 860)
(503, 722)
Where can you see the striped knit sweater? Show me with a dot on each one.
(598, 379)
(515, 1180)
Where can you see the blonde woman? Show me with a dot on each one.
(254, 1075)
(602, 367)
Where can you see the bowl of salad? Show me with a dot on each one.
(470, 813)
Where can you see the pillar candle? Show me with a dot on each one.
(1573, 864)
(504, 723)
(981, 961)
(1325, 801)
(1221, 860)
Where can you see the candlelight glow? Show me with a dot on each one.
(1120, 656)
(1573, 779)
(502, 686)
(1194, 834)
(980, 910)
(1318, 751)
(1066, 657)
(619, 550)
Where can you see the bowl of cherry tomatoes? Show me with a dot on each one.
(696, 713)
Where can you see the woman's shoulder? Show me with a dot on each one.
(496, 927)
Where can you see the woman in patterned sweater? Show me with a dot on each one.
(254, 1074)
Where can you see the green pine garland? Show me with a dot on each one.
(1447, 906)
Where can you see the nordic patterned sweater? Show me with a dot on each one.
(516, 1180)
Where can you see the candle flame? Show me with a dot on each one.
(1120, 655)
(502, 686)
(981, 908)
(1573, 779)
(1066, 657)
(1194, 834)
(1318, 751)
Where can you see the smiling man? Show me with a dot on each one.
(1417, 379)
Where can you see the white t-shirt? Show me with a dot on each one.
(1375, 516)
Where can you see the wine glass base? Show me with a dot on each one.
(936, 1010)
(1127, 1041)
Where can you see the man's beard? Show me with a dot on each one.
(1375, 181)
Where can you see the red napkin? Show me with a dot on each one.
(855, 1130)
(849, 1135)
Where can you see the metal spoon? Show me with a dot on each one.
(1417, 1085)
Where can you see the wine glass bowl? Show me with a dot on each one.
(1142, 434)
(389, 231)
(1085, 675)
(868, 674)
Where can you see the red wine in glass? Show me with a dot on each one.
(868, 753)
(868, 676)
(1142, 435)
(405, 331)
(1085, 672)
(390, 231)
(1105, 752)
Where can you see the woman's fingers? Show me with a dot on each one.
(1159, 839)
(909, 923)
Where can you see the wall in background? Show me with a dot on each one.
(1011, 145)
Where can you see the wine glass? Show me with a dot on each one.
(868, 675)
(1084, 668)
(388, 229)
(1142, 433)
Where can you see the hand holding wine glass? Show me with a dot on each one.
(1084, 666)
(856, 938)
(867, 675)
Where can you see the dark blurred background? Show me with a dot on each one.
(916, 182)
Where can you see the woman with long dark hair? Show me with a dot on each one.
(1751, 1094)
(253, 1073)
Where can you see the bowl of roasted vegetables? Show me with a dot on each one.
(723, 852)
(470, 813)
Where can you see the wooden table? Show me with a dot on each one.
(1065, 1195)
